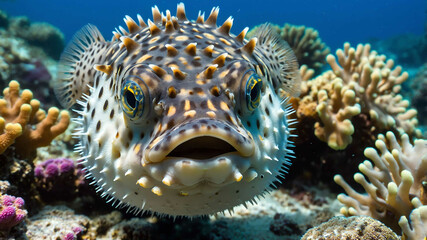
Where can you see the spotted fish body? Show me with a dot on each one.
(180, 117)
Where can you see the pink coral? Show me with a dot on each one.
(11, 211)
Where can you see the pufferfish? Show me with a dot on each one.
(180, 117)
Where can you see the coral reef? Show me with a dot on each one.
(269, 218)
(56, 223)
(282, 215)
(361, 82)
(12, 212)
(377, 85)
(282, 226)
(27, 53)
(20, 179)
(397, 182)
(304, 41)
(336, 105)
(42, 35)
(409, 50)
(59, 178)
(419, 88)
(4, 186)
(26, 125)
(356, 228)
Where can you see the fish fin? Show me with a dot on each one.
(278, 57)
(76, 66)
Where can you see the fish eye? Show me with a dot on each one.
(132, 99)
(253, 91)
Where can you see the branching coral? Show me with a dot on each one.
(397, 184)
(336, 107)
(328, 99)
(304, 41)
(12, 212)
(36, 128)
(419, 224)
(377, 85)
(361, 82)
(307, 45)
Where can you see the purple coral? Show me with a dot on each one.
(59, 177)
(73, 235)
(54, 168)
(11, 211)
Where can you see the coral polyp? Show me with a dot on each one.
(12, 212)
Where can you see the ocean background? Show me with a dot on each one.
(337, 21)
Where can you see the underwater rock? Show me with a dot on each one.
(267, 219)
(136, 228)
(56, 222)
(304, 41)
(282, 225)
(355, 228)
(100, 225)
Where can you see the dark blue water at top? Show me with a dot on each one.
(336, 20)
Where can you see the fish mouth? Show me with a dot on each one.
(200, 139)
(203, 147)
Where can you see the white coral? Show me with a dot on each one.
(395, 182)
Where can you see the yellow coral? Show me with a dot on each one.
(395, 184)
(361, 81)
(335, 110)
(377, 87)
(19, 112)
(334, 103)
(9, 133)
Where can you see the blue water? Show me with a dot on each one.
(336, 20)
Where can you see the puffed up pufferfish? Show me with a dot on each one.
(180, 117)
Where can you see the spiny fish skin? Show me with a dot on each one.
(180, 117)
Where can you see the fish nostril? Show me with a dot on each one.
(215, 91)
(202, 148)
